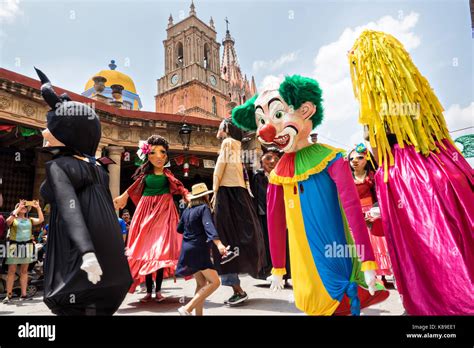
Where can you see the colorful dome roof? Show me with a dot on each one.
(115, 77)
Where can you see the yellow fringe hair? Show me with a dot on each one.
(385, 79)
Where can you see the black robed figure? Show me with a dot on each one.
(86, 271)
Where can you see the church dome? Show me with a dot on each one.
(115, 77)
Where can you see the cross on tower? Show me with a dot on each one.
(227, 24)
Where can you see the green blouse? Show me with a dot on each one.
(156, 185)
(21, 230)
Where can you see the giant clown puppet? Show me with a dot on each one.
(311, 193)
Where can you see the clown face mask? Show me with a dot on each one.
(280, 125)
(283, 117)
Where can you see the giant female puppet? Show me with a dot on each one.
(312, 186)
(153, 245)
(424, 185)
(86, 271)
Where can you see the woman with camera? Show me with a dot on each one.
(20, 244)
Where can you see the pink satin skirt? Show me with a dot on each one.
(428, 216)
(153, 242)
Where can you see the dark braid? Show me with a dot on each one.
(232, 130)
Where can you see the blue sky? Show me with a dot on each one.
(72, 40)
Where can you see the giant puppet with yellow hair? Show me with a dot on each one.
(424, 185)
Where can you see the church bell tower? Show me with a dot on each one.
(192, 83)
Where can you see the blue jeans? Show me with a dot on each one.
(230, 279)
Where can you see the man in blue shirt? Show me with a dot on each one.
(123, 227)
(125, 223)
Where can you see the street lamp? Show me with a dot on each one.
(185, 136)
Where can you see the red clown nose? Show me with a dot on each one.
(267, 133)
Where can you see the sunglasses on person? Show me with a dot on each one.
(360, 158)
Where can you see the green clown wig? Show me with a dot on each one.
(294, 90)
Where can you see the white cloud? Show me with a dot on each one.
(331, 61)
(9, 9)
(272, 65)
(458, 118)
(332, 72)
(271, 82)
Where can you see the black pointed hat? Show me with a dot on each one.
(74, 124)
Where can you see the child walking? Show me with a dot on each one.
(198, 232)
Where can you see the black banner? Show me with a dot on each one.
(241, 330)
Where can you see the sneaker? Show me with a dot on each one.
(183, 311)
(25, 298)
(230, 256)
(236, 299)
(7, 300)
(227, 302)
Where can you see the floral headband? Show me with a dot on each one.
(143, 149)
(361, 148)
